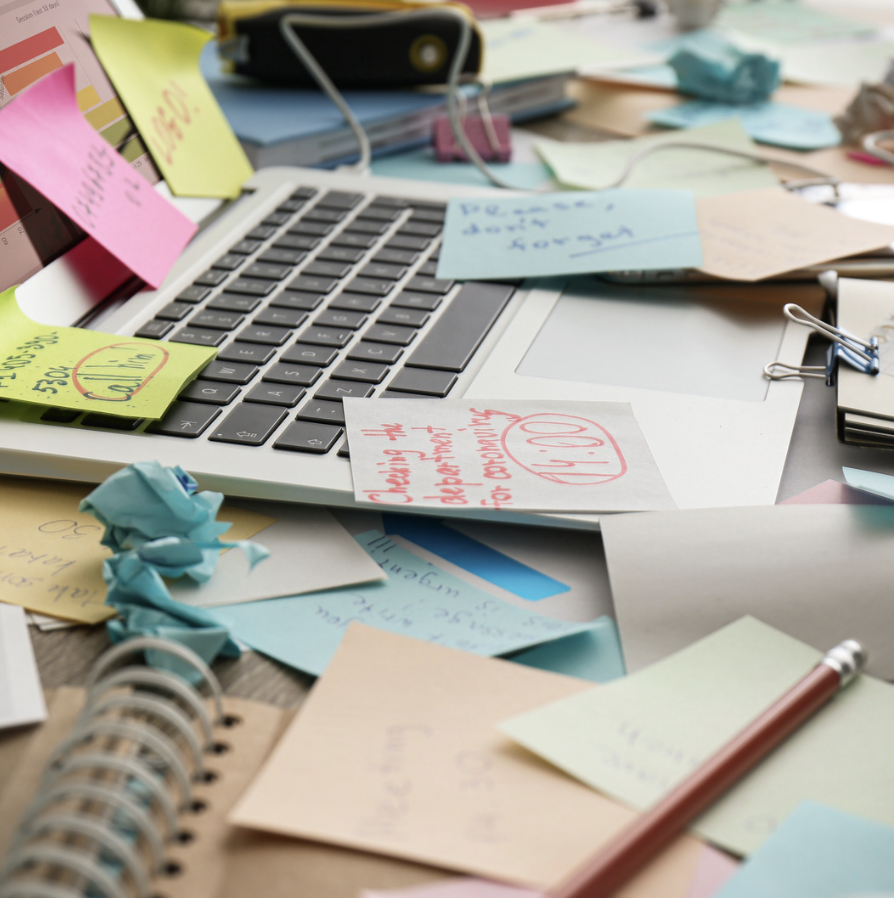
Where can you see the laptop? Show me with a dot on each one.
(316, 285)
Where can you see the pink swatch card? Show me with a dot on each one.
(46, 141)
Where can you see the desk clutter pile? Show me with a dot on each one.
(488, 703)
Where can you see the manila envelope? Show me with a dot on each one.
(396, 751)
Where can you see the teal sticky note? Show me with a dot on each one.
(818, 852)
(870, 482)
(595, 655)
(569, 233)
(418, 599)
(772, 123)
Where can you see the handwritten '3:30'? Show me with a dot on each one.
(172, 117)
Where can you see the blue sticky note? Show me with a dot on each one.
(818, 852)
(572, 232)
(770, 123)
(870, 482)
(595, 655)
(418, 599)
(474, 556)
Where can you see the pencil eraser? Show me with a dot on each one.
(492, 146)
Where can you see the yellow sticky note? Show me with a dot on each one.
(154, 66)
(50, 552)
(67, 367)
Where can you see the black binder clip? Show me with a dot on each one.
(844, 347)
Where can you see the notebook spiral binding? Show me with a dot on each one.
(115, 793)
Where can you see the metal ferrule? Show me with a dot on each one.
(848, 658)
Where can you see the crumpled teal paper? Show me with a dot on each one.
(158, 525)
(715, 69)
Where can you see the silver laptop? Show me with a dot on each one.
(318, 285)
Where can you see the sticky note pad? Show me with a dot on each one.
(67, 367)
(154, 66)
(569, 233)
(46, 141)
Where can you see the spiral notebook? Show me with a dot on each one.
(56, 828)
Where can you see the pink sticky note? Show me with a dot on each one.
(46, 141)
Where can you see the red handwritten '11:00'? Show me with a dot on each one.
(172, 117)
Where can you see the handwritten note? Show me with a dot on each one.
(46, 141)
(773, 123)
(511, 454)
(760, 233)
(420, 771)
(418, 599)
(154, 66)
(50, 552)
(68, 367)
(636, 737)
(568, 233)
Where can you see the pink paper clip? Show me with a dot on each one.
(488, 134)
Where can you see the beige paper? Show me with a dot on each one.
(396, 751)
(50, 553)
(761, 233)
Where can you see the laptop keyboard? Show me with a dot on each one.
(332, 295)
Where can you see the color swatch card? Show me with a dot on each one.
(46, 141)
(74, 368)
(418, 599)
(636, 738)
(569, 233)
(154, 66)
(507, 454)
(396, 751)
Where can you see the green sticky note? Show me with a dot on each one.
(154, 66)
(636, 738)
(594, 166)
(67, 367)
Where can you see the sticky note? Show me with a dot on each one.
(636, 738)
(418, 599)
(509, 454)
(154, 66)
(46, 141)
(772, 123)
(569, 233)
(68, 367)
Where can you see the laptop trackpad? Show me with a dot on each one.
(657, 339)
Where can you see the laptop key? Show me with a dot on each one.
(310, 284)
(185, 419)
(314, 228)
(267, 271)
(455, 336)
(354, 239)
(423, 380)
(154, 330)
(408, 300)
(111, 422)
(336, 390)
(277, 219)
(278, 256)
(306, 302)
(340, 199)
(327, 269)
(252, 287)
(340, 318)
(420, 228)
(360, 302)
(367, 372)
(246, 247)
(370, 285)
(326, 336)
(229, 262)
(229, 372)
(381, 212)
(217, 320)
(296, 241)
(271, 336)
(234, 302)
(248, 424)
(430, 285)
(387, 333)
(208, 391)
(60, 415)
(283, 395)
(193, 294)
(321, 214)
(199, 337)
(407, 241)
(211, 278)
(369, 226)
(299, 375)
(395, 256)
(341, 254)
(383, 271)
(253, 353)
(375, 352)
(290, 318)
(261, 232)
(322, 411)
(291, 205)
(307, 436)
(430, 214)
(306, 354)
(406, 317)
(174, 311)
(429, 269)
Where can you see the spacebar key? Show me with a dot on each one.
(455, 336)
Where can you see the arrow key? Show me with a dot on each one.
(184, 419)
(306, 436)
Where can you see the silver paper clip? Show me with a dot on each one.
(844, 347)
